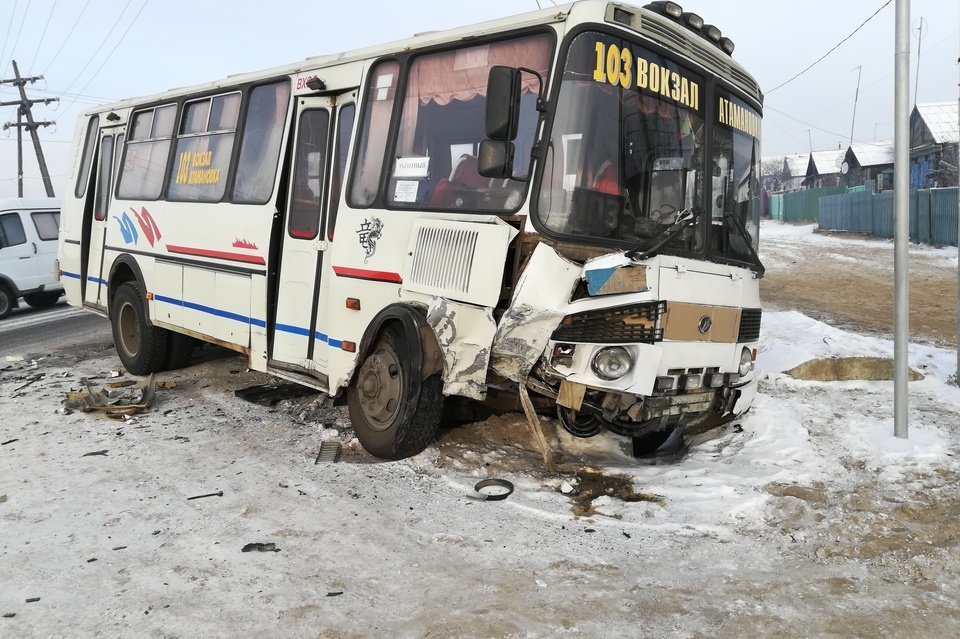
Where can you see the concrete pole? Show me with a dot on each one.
(901, 207)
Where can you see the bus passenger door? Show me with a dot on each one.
(95, 289)
(300, 256)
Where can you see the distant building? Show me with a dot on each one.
(795, 170)
(934, 133)
(823, 169)
(863, 162)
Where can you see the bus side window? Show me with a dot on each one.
(204, 149)
(260, 144)
(344, 132)
(372, 145)
(145, 158)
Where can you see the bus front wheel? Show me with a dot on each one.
(142, 348)
(395, 413)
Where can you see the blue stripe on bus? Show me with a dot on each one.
(296, 330)
(77, 276)
(326, 339)
(74, 276)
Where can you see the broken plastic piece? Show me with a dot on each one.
(260, 547)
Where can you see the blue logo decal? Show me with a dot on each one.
(127, 228)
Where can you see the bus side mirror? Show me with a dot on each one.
(495, 159)
(503, 103)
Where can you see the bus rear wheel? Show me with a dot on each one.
(142, 348)
(394, 413)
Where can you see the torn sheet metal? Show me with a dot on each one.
(464, 333)
(539, 303)
(614, 274)
(116, 403)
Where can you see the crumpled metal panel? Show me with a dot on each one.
(539, 303)
(464, 333)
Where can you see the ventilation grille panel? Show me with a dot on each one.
(443, 258)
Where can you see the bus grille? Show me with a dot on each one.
(637, 323)
(443, 258)
(749, 325)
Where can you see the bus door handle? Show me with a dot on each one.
(321, 245)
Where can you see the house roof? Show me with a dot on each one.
(827, 162)
(941, 119)
(875, 154)
(797, 164)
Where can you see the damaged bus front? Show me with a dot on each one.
(638, 309)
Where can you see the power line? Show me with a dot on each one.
(103, 41)
(809, 124)
(64, 43)
(820, 59)
(42, 36)
(6, 38)
(20, 30)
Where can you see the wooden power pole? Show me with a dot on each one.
(24, 111)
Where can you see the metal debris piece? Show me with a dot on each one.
(334, 593)
(219, 493)
(101, 453)
(35, 378)
(33, 599)
(10, 441)
(118, 548)
(9, 615)
(273, 394)
(260, 547)
(116, 403)
(329, 452)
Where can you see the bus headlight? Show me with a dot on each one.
(746, 362)
(612, 362)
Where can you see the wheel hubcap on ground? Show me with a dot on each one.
(380, 384)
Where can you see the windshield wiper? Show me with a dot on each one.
(685, 219)
(745, 234)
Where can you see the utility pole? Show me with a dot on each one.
(24, 110)
(901, 214)
(856, 96)
(916, 81)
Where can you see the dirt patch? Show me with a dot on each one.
(593, 483)
(853, 287)
(848, 368)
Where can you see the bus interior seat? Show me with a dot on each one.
(464, 178)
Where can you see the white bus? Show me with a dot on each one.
(564, 201)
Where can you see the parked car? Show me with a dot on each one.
(28, 252)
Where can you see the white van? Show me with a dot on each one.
(28, 252)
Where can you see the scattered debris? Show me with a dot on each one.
(14, 358)
(101, 453)
(9, 615)
(272, 394)
(123, 384)
(334, 593)
(167, 384)
(118, 548)
(260, 547)
(625, 534)
(33, 599)
(91, 560)
(329, 452)
(32, 380)
(10, 441)
(3, 498)
(180, 438)
(565, 487)
(593, 483)
(118, 403)
(219, 493)
(589, 530)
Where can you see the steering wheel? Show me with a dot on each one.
(665, 211)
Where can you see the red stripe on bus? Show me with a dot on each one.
(221, 255)
(365, 274)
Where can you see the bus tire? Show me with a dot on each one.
(394, 413)
(6, 300)
(180, 349)
(142, 348)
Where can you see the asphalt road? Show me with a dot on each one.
(36, 330)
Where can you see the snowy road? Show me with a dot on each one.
(806, 519)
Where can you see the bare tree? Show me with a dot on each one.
(773, 175)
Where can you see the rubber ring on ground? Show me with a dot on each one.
(498, 483)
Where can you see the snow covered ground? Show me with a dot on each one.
(806, 518)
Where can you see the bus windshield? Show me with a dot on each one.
(625, 161)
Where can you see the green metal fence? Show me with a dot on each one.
(800, 206)
(933, 214)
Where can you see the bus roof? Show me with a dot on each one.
(586, 10)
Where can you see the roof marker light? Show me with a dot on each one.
(727, 45)
(673, 10)
(712, 32)
(693, 21)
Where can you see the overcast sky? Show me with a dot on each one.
(94, 51)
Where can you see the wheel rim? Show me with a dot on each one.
(579, 423)
(128, 329)
(380, 383)
(4, 302)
